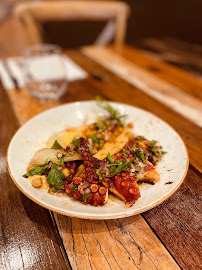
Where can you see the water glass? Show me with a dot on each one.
(44, 71)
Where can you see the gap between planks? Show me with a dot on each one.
(163, 91)
(127, 243)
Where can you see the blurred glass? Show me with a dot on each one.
(44, 71)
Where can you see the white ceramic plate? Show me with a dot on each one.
(34, 134)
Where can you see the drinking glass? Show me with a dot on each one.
(44, 71)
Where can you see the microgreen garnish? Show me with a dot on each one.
(113, 114)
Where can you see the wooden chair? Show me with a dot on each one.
(30, 14)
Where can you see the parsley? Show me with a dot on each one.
(110, 158)
(71, 151)
(140, 155)
(100, 172)
(74, 188)
(56, 145)
(101, 125)
(85, 196)
(37, 170)
(154, 149)
(120, 167)
(62, 163)
(101, 145)
(75, 142)
(95, 139)
(55, 177)
(125, 155)
(151, 143)
(140, 138)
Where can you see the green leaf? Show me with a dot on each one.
(56, 145)
(100, 173)
(85, 196)
(37, 170)
(75, 142)
(55, 177)
(151, 143)
(74, 188)
(119, 168)
(71, 151)
(100, 125)
(110, 158)
(62, 160)
(95, 139)
(113, 114)
(140, 138)
(140, 155)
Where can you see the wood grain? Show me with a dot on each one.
(111, 87)
(113, 244)
(126, 243)
(174, 75)
(28, 236)
(177, 222)
(178, 100)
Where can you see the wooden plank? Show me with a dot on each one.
(174, 75)
(114, 242)
(127, 243)
(175, 52)
(177, 222)
(28, 236)
(98, 244)
(111, 87)
(165, 92)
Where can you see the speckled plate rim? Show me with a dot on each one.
(103, 217)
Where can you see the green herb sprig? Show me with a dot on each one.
(113, 114)
(55, 177)
(36, 170)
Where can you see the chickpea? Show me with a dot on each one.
(120, 129)
(65, 171)
(130, 125)
(37, 182)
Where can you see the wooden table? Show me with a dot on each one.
(166, 237)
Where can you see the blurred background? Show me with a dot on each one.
(169, 30)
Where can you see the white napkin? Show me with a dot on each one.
(71, 70)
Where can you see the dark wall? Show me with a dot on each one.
(181, 19)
